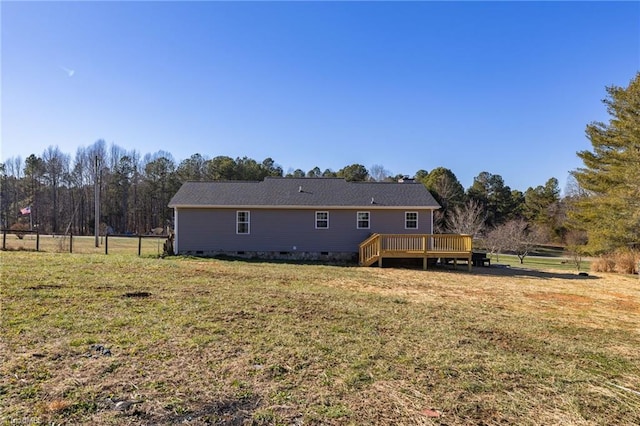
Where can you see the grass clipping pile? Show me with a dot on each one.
(103, 340)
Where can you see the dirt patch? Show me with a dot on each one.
(140, 294)
(623, 302)
(626, 305)
(44, 287)
(229, 412)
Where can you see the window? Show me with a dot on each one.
(363, 220)
(242, 222)
(322, 220)
(410, 220)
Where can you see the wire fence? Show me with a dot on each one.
(142, 245)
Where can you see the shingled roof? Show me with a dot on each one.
(303, 192)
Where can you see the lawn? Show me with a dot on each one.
(122, 339)
(563, 263)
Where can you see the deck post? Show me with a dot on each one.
(424, 250)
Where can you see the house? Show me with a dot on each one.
(296, 218)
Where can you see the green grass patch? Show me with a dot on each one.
(541, 260)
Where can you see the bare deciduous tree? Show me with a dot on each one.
(497, 241)
(378, 173)
(517, 236)
(522, 237)
(576, 246)
(467, 219)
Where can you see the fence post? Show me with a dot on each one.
(139, 244)
(37, 240)
(4, 239)
(106, 244)
(71, 242)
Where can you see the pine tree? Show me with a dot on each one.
(610, 210)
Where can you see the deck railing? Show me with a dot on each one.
(378, 246)
(451, 243)
(370, 248)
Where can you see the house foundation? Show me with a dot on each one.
(300, 256)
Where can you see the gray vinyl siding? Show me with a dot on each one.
(280, 230)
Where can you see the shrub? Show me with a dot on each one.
(623, 261)
(17, 227)
(626, 261)
(603, 263)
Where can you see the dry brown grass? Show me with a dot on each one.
(58, 405)
(226, 342)
(621, 261)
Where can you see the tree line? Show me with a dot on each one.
(134, 190)
(599, 212)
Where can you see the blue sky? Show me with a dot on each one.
(503, 87)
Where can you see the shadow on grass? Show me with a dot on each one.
(416, 264)
(507, 271)
(496, 270)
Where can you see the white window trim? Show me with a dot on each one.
(368, 220)
(327, 219)
(248, 222)
(406, 220)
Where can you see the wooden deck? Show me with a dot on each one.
(425, 246)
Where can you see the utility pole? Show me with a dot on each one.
(97, 204)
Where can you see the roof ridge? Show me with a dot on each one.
(383, 182)
(223, 181)
(303, 178)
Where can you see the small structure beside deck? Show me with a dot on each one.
(425, 246)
